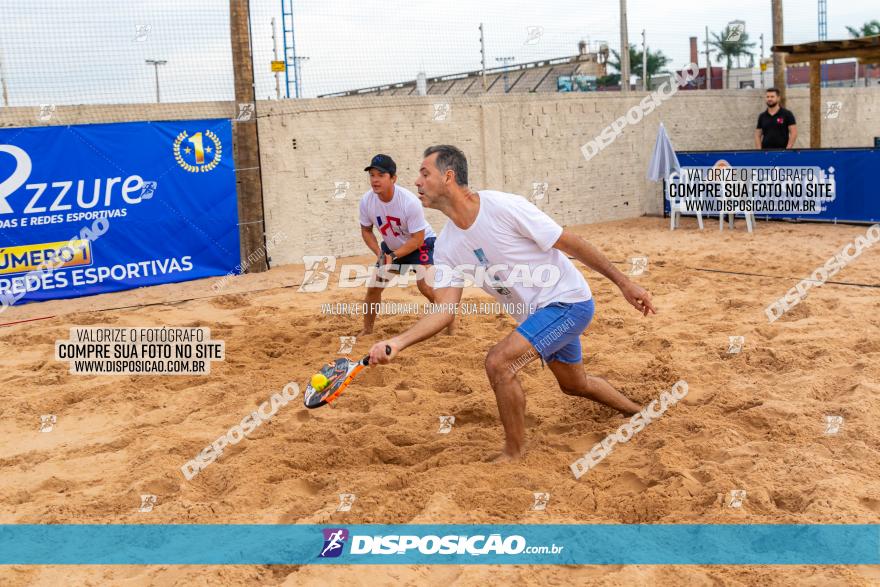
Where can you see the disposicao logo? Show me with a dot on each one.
(334, 541)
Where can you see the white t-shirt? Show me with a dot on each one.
(398, 219)
(514, 235)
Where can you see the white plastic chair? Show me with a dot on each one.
(677, 206)
(750, 216)
(750, 220)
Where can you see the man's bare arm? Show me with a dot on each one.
(411, 245)
(758, 136)
(575, 246)
(571, 244)
(447, 298)
(370, 239)
(792, 136)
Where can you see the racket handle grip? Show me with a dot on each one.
(366, 360)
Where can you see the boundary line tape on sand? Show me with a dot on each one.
(28, 320)
(781, 277)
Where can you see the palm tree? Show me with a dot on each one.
(656, 62)
(728, 50)
(869, 29)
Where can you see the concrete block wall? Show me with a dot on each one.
(334, 140)
(511, 141)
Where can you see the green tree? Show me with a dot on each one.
(869, 29)
(729, 46)
(657, 61)
(608, 81)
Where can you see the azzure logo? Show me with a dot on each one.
(23, 166)
(62, 193)
(334, 542)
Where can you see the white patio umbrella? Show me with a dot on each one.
(663, 159)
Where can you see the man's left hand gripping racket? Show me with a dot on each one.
(339, 374)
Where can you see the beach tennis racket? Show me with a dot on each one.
(339, 374)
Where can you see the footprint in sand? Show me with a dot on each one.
(789, 501)
(231, 301)
(473, 415)
(372, 376)
(583, 444)
(631, 482)
(405, 395)
(698, 395)
(302, 487)
(702, 476)
(453, 383)
(164, 486)
(871, 503)
(403, 440)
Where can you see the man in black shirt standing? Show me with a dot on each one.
(776, 128)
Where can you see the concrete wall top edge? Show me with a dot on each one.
(24, 116)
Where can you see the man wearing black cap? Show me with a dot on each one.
(407, 238)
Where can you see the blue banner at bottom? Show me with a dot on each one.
(652, 544)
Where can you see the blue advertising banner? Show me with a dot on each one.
(473, 544)
(98, 208)
(850, 176)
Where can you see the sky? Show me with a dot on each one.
(94, 51)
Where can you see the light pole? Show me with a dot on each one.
(644, 63)
(156, 63)
(708, 63)
(483, 56)
(624, 49)
(762, 65)
(275, 56)
(778, 58)
(3, 89)
(504, 61)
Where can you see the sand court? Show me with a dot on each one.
(751, 442)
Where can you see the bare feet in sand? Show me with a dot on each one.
(507, 458)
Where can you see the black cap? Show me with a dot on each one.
(383, 163)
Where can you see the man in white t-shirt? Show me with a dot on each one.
(407, 238)
(492, 237)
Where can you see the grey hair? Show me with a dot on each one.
(450, 157)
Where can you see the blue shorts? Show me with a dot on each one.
(555, 330)
(424, 255)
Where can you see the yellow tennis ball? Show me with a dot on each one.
(319, 382)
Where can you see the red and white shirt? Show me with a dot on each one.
(396, 220)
